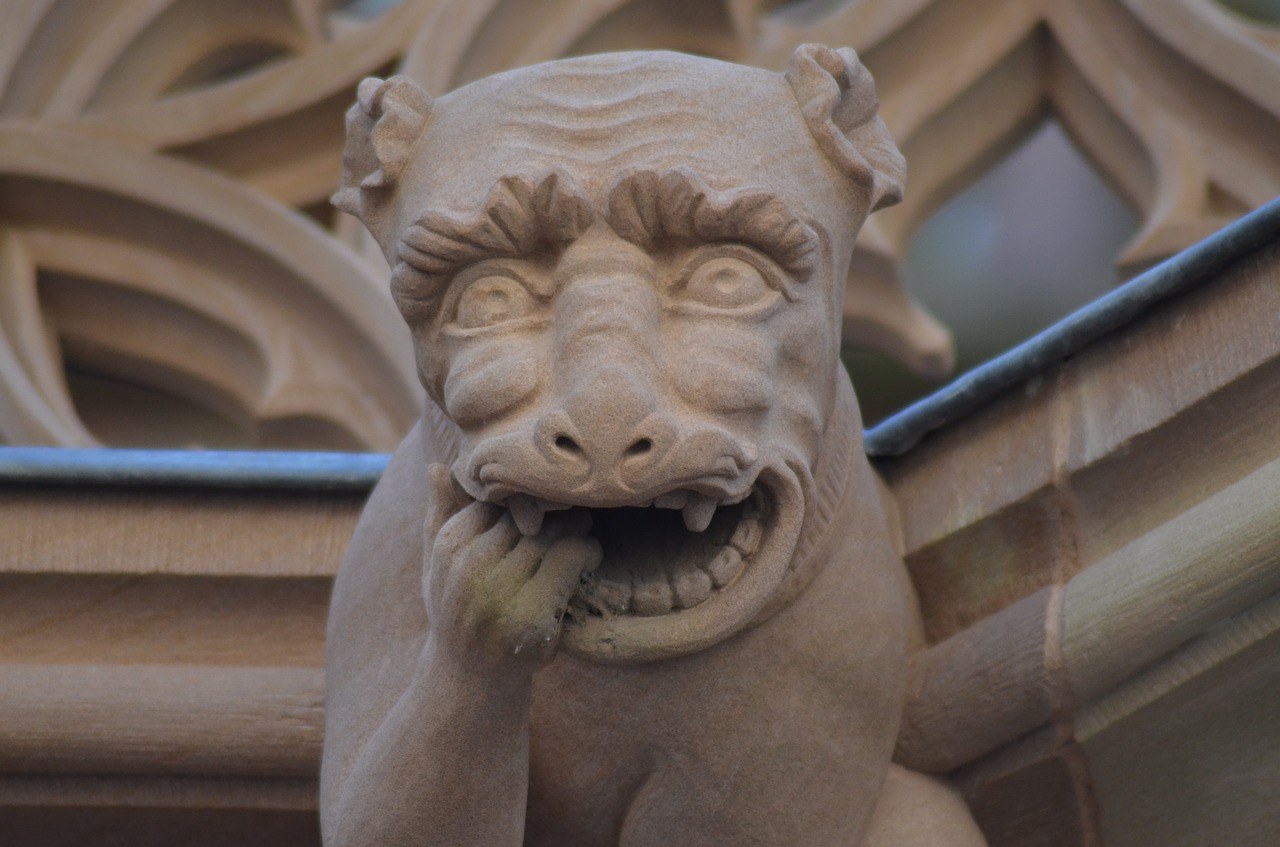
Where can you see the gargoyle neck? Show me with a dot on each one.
(831, 494)
(832, 477)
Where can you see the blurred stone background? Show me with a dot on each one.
(1031, 241)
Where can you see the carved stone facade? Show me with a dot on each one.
(1094, 551)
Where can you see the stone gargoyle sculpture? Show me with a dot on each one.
(630, 581)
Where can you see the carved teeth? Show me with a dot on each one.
(651, 596)
(690, 587)
(610, 596)
(725, 566)
(672, 499)
(527, 513)
(698, 512)
(747, 536)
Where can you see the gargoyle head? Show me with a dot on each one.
(624, 275)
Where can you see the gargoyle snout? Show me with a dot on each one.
(608, 428)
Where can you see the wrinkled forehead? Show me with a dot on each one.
(597, 117)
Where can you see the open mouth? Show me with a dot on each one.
(669, 554)
(678, 573)
(658, 560)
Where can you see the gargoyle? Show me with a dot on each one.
(630, 581)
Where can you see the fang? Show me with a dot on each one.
(527, 513)
(698, 512)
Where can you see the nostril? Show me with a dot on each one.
(641, 447)
(567, 444)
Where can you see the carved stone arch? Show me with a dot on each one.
(272, 118)
(97, 103)
(1176, 102)
(154, 272)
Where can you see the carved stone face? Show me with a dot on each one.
(624, 277)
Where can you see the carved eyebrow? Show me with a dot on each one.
(519, 218)
(648, 208)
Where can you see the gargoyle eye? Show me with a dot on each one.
(726, 282)
(492, 299)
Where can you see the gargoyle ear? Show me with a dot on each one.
(838, 100)
(382, 128)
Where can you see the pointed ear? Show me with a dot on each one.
(382, 129)
(838, 100)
